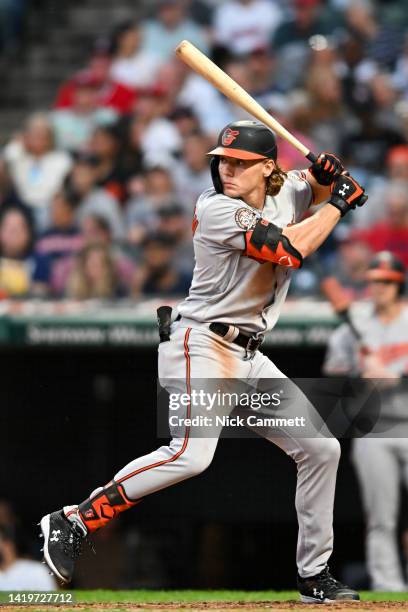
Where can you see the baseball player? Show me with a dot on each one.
(381, 461)
(248, 237)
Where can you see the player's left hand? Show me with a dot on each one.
(326, 169)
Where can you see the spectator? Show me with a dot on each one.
(246, 25)
(185, 121)
(36, 168)
(158, 274)
(110, 94)
(18, 574)
(63, 237)
(378, 186)
(23, 273)
(327, 115)
(74, 126)
(205, 102)
(191, 173)
(157, 192)
(400, 73)
(106, 145)
(8, 517)
(383, 41)
(350, 264)
(173, 222)
(397, 163)
(392, 233)
(260, 65)
(94, 275)
(367, 144)
(291, 39)
(171, 25)
(289, 111)
(132, 65)
(158, 137)
(94, 230)
(94, 199)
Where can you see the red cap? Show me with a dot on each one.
(398, 153)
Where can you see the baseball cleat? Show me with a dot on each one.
(323, 588)
(62, 544)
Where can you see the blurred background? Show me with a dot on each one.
(103, 139)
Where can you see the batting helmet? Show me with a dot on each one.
(387, 267)
(242, 140)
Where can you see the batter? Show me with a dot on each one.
(248, 238)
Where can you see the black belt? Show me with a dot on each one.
(249, 343)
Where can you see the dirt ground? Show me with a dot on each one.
(240, 606)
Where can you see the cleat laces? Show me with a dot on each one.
(72, 544)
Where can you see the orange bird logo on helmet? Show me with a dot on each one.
(229, 136)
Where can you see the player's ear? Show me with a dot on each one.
(268, 167)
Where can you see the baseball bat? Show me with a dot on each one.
(340, 302)
(202, 64)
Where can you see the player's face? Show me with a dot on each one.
(245, 179)
(383, 293)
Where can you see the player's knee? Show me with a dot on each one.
(330, 452)
(196, 463)
(385, 525)
(323, 451)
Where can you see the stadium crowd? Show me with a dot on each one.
(97, 192)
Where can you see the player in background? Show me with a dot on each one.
(248, 237)
(381, 461)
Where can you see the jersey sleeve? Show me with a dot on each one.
(342, 353)
(302, 193)
(225, 222)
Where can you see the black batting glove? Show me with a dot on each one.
(346, 194)
(326, 169)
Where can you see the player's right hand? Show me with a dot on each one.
(346, 193)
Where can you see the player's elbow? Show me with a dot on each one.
(267, 242)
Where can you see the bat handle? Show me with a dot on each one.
(311, 157)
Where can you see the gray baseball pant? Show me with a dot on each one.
(381, 464)
(195, 353)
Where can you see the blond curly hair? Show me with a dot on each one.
(275, 181)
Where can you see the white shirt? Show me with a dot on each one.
(160, 139)
(245, 27)
(206, 102)
(137, 71)
(26, 575)
(37, 179)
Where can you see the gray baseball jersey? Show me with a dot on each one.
(387, 341)
(380, 462)
(227, 286)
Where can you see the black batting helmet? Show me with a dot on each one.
(243, 140)
(387, 267)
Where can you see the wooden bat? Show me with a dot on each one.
(201, 64)
(340, 302)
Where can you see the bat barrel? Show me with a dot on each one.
(201, 64)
